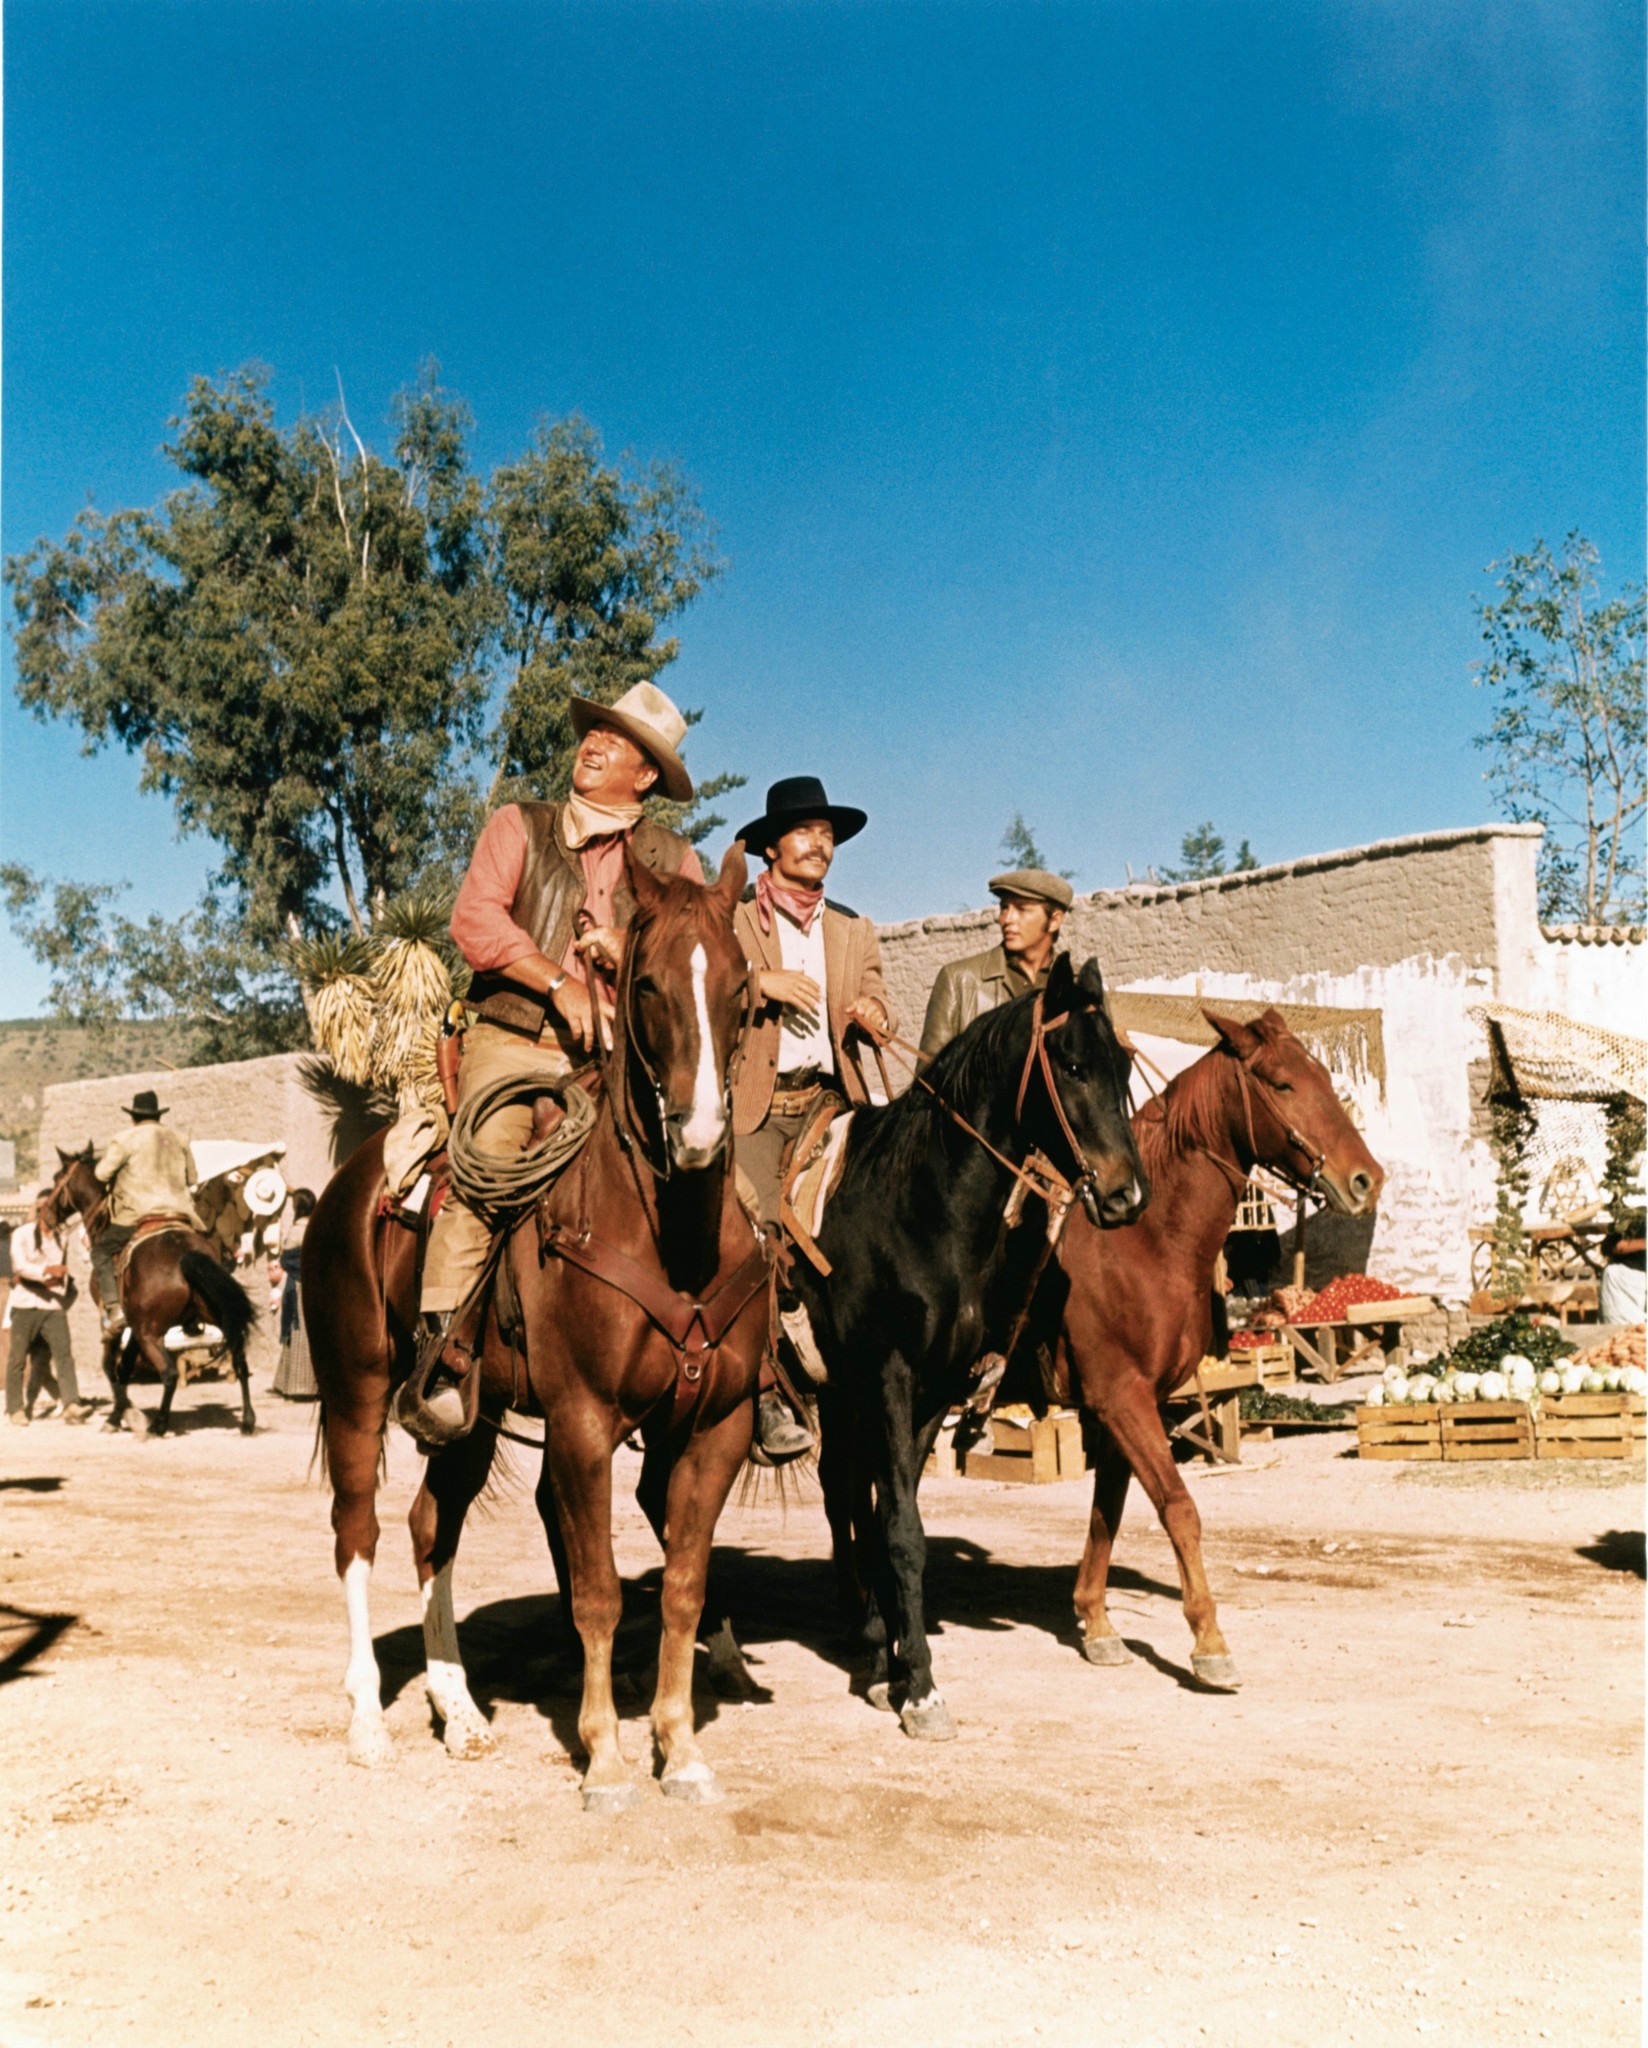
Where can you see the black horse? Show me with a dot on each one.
(930, 1266)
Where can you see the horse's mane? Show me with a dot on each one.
(1190, 1114)
(965, 1074)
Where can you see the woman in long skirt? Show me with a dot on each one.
(295, 1378)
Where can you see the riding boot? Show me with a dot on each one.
(778, 1436)
(436, 1405)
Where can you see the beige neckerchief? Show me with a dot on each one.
(582, 821)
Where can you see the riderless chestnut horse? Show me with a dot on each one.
(642, 1289)
(172, 1277)
(1138, 1316)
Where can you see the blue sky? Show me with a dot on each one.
(1108, 411)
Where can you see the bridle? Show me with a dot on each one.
(1037, 1175)
(93, 1218)
(1248, 1079)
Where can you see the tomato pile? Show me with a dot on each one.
(1349, 1291)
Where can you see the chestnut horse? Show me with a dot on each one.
(1138, 1317)
(643, 1293)
(174, 1277)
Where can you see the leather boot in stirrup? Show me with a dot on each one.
(436, 1404)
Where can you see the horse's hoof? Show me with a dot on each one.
(468, 1740)
(248, 1429)
(928, 1720)
(609, 1798)
(1106, 1650)
(369, 1744)
(1218, 1674)
(880, 1696)
(693, 1785)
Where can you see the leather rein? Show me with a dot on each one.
(1037, 1175)
(694, 1327)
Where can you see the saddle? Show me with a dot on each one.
(164, 1224)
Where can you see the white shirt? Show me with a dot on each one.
(800, 1045)
(32, 1251)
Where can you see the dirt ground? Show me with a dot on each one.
(1422, 1815)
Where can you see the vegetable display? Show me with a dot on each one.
(1350, 1290)
(1516, 1360)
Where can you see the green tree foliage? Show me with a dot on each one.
(1565, 743)
(1020, 848)
(334, 662)
(1202, 850)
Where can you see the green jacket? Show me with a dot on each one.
(965, 989)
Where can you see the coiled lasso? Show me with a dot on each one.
(499, 1186)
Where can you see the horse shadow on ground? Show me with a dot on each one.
(521, 1650)
(1619, 1550)
(39, 1483)
(25, 1638)
(184, 1421)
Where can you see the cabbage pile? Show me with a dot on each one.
(1515, 1378)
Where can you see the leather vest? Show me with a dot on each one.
(546, 904)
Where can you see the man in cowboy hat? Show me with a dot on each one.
(820, 974)
(1032, 907)
(540, 919)
(148, 1171)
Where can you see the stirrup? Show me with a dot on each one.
(438, 1417)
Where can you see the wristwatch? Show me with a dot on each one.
(557, 980)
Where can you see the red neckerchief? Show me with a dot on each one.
(800, 905)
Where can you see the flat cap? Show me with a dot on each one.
(1036, 884)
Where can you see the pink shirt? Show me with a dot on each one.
(482, 928)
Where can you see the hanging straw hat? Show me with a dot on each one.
(646, 716)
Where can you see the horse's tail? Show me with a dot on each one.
(227, 1302)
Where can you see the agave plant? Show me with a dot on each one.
(376, 1000)
(334, 970)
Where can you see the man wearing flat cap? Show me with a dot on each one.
(820, 974)
(1033, 904)
(540, 918)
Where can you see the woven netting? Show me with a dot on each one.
(1540, 1055)
(1348, 1042)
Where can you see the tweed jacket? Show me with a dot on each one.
(965, 989)
(852, 968)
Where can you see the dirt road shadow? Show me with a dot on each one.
(26, 1637)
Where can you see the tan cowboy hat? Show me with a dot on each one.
(645, 715)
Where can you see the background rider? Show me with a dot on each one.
(148, 1171)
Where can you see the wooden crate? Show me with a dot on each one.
(1274, 1362)
(1407, 1432)
(1591, 1426)
(1028, 1454)
(1476, 1430)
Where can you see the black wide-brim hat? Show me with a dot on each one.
(144, 1107)
(792, 802)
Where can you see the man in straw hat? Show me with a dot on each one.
(820, 974)
(1032, 907)
(148, 1171)
(540, 918)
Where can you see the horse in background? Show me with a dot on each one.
(1137, 1318)
(935, 1245)
(172, 1278)
(642, 1291)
